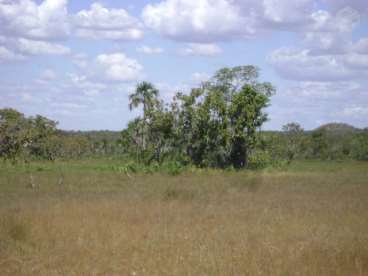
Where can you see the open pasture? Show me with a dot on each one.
(82, 219)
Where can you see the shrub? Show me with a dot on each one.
(174, 168)
(259, 160)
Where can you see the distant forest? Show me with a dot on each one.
(217, 124)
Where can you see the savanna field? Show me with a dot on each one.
(87, 218)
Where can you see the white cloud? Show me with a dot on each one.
(327, 51)
(80, 60)
(286, 13)
(101, 23)
(361, 46)
(198, 78)
(295, 64)
(321, 90)
(359, 5)
(118, 67)
(26, 97)
(216, 20)
(131, 34)
(33, 47)
(24, 18)
(27, 28)
(48, 75)
(201, 49)
(300, 65)
(83, 83)
(150, 50)
(200, 21)
(356, 61)
(355, 111)
(168, 91)
(344, 20)
(321, 43)
(7, 55)
(312, 102)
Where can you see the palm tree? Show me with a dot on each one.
(145, 94)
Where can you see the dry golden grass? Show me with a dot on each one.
(210, 223)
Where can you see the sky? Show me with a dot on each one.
(76, 62)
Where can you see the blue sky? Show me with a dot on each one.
(76, 62)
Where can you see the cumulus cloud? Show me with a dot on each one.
(216, 20)
(297, 64)
(201, 49)
(326, 51)
(33, 47)
(150, 50)
(101, 23)
(27, 28)
(331, 33)
(277, 13)
(24, 18)
(343, 20)
(118, 67)
(321, 43)
(193, 20)
(83, 84)
(300, 64)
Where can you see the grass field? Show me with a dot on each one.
(85, 218)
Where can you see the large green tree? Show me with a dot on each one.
(42, 138)
(246, 116)
(14, 134)
(21, 137)
(217, 122)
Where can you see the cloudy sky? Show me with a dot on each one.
(77, 61)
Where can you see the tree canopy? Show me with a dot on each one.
(215, 125)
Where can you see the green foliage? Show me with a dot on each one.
(294, 138)
(263, 159)
(245, 117)
(22, 137)
(215, 125)
(174, 168)
(319, 144)
(259, 160)
(359, 149)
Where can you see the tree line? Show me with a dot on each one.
(217, 124)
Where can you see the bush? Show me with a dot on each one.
(174, 168)
(259, 160)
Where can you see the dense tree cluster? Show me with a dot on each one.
(37, 138)
(216, 125)
(22, 137)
